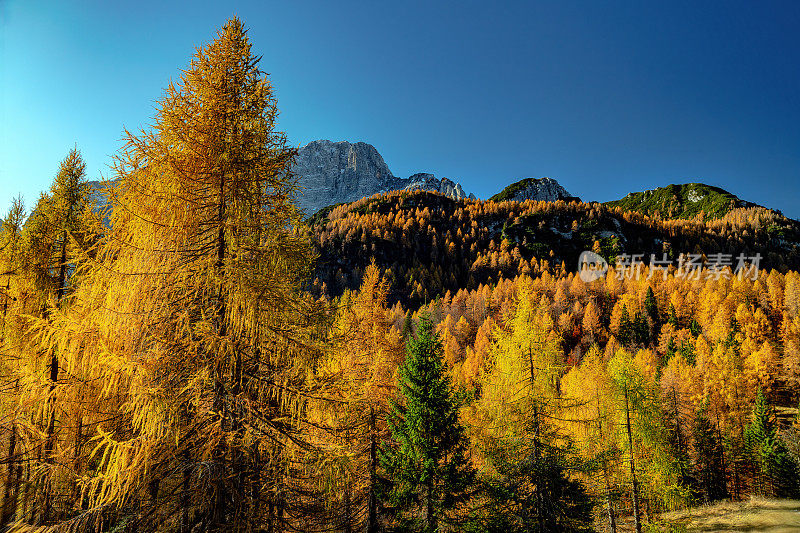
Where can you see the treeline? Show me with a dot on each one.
(429, 244)
(164, 367)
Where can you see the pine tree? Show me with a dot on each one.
(408, 325)
(426, 462)
(590, 415)
(651, 305)
(358, 373)
(626, 327)
(49, 249)
(777, 474)
(709, 465)
(529, 462)
(530, 493)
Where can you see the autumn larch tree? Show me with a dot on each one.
(190, 338)
(529, 468)
(349, 417)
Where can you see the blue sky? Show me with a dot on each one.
(606, 97)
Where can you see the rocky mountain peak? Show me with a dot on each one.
(540, 189)
(338, 172)
(428, 182)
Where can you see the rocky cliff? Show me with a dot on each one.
(541, 189)
(429, 182)
(339, 172)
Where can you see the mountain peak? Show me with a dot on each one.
(541, 189)
(339, 172)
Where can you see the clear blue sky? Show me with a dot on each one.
(606, 97)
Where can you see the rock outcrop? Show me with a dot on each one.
(429, 182)
(540, 189)
(339, 172)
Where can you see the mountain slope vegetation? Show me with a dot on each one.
(429, 244)
(685, 201)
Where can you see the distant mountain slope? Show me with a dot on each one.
(429, 244)
(541, 189)
(684, 201)
(336, 172)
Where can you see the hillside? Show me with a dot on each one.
(430, 244)
(685, 201)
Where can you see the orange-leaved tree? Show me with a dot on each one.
(189, 339)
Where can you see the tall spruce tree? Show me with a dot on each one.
(776, 472)
(426, 460)
(651, 305)
(709, 466)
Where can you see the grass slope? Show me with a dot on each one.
(681, 201)
(756, 515)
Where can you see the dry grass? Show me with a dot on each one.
(755, 515)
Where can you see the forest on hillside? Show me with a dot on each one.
(194, 355)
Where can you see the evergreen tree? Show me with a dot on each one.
(408, 325)
(530, 493)
(776, 472)
(626, 327)
(709, 466)
(641, 330)
(651, 305)
(426, 462)
(673, 317)
(529, 466)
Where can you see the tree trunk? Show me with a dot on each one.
(348, 511)
(5, 304)
(220, 452)
(9, 494)
(51, 422)
(612, 522)
(539, 496)
(372, 510)
(636, 514)
(428, 518)
(185, 494)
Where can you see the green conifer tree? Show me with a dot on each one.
(709, 466)
(651, 305)
(626, 327)
(776, 472)
(426, 462)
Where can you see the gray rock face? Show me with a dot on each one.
(428, 182)
(336, 172)
(333, 172)
(540, 189)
